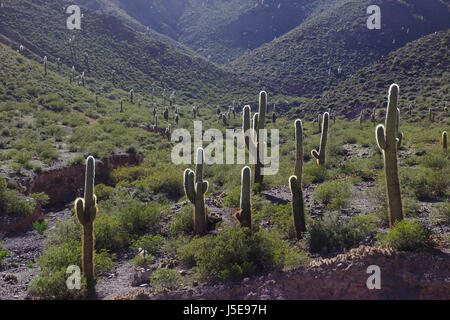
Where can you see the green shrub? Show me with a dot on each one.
(165, 279)
(153, 244)
(11, 203)
(315, 174)
(3, 253)
(183, 222)
(40, 227)
(409, 236)
(332, 233)
(141, 261)
(235, 253)
(333, 194)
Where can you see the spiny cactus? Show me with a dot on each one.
(274, 117)
(156, 122)
(194, 112)
(121, 106)
(253, 141)
(132, 96)
(295, 183)
(361, 118)
(177, 118)
(430, 115)
(86, 211)
(218, 110)
(320, 155)
(398, 134)
(224, 120)
(195, 189)
(83, 79)
(387, 139)
(45, 65)
(244, 215)
(72, 74)
(444, 141)
(166, 114)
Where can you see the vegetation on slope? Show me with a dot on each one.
(333, 46)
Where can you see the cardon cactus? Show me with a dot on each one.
(166, 114)
(177, 118)
(224, 120)
(132, 96)
(72, 74)
(295, 183)
(86, 211)
(244, 215)
(121, 106)
(361, 118)
(195, 189)
(320, 155)
(194, 112)
(253, 141)
(444, 141)
(274, 117)
(45, 65)
(387, 139)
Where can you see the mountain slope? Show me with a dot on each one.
(139, 62)
(331, 47)
(217, 29)
(421, 69)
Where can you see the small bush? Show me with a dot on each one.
(3, 253)
(332, 233)
(40, 227)
(409, 236)
(333, 194)
(165, 279)
(153, 244)
(183, 222)
(315, 174)
(235, 253)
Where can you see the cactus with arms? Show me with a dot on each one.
(86, 211)
(320, 155)
(244, 215)
(253, 140)
(195, 189)
(295, 183)
(387, 139)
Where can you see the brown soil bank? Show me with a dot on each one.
(403, 276)
(62, 184)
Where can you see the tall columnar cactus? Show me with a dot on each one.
(194, 112)
(121, 106)
(361, 118)
(295, 183)
(132, 96)
(320, 155)
(444, 142)
(244, 215)
(166, 114)
(253, 140)
(224, 120)
(430, 115)
(387, 139)
(45, 65)
(177, 118)
(398, 134)
(274, 117)
(156, 122)
(195, 189)
(218, 110)
(86, 211)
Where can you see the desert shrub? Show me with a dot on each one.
(165, 279)
(142, 261)
(315, 174)
(332, 233)
(232, 199)
(103, 192)
(278, 217)
(40, 227)
(3, 253)
(424, 183)
(110, 233)
(235, 253)
(183, 222)
(11, 203)
(333, 194)
(153, 244)
(441, 211)
(408, 235)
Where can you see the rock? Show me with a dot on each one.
(246, 280)
(138, 277)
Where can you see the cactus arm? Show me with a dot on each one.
(246, 125)
(262, 110)
(189, 185)
(381, 140)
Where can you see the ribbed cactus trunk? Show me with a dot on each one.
(244, 215)
(86, 211)
(253, 140)
(444, 142)
(387, 139)
(321, 153)
(45, 65)
(195, 189)
(295, 183)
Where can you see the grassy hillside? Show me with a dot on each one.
(421, 70)
(139, 61)
(331, 47)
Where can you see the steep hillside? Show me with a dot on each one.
(421, 69)
(219, 30)
(334, 45)
(139, 62)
